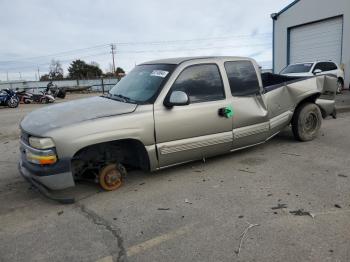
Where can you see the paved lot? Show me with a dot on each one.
(195, 212)
(343, 99)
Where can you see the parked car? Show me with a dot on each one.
(9, 98)
(316, 68)
(165, 113)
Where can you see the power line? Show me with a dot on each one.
(113, 48)
(194, 40)
(56, 54)
(65, 53)
(192, 49)
(124, 52)
(34, 65)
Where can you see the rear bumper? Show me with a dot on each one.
(327, 106)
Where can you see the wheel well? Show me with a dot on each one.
(309, 99)
(129, 152)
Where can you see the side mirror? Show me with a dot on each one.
(317, 71)
(177, 98)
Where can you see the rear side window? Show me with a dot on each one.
(242, 78)
(201, 83)
(332, 66)
(326, 66)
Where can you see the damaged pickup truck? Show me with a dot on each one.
(165, 113)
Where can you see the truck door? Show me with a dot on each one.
(197, 130)
(250, 115)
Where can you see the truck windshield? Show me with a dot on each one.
(142, 84)
(297, 68)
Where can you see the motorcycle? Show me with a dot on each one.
(43, 98)
(55, 91)
(9, 98)
(25, 97)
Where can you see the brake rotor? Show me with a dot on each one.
(110, 177)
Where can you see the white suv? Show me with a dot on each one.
(316, 68)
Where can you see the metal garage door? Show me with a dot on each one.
(316, 41)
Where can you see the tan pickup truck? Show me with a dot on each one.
(165, 113)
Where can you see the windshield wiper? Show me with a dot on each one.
(106, 96)
(125, 99)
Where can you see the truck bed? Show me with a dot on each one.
(325, 84)
(272, 81)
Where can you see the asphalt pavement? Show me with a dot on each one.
(343, 101)
(281, 201)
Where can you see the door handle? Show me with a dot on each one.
(226, 111)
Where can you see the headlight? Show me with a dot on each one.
(41, 143)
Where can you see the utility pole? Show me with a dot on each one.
(38, 74)
(20, 75)
(113, 52)
(7, 75)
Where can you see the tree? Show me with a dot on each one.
(79, 69)
(93, 63)
(119, 73)
(45, 77)
(56, 70)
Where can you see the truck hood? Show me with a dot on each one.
(47, 118)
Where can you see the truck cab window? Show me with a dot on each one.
(201, 83)
(242, 78)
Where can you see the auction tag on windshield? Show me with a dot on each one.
(159, 73)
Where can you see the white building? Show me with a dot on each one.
(311, 30)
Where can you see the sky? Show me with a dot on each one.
(33, 32)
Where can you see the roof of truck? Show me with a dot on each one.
(179, 60)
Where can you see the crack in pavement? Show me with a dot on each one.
(100, 221)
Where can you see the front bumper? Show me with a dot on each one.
(55, 177)
(41, 188)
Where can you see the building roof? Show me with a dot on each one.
(274, 16)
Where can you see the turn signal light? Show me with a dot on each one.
(41, 160)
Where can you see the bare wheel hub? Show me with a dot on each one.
(110, 178)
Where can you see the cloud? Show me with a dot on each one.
(32, 30)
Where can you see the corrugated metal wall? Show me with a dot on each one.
(309, 11)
